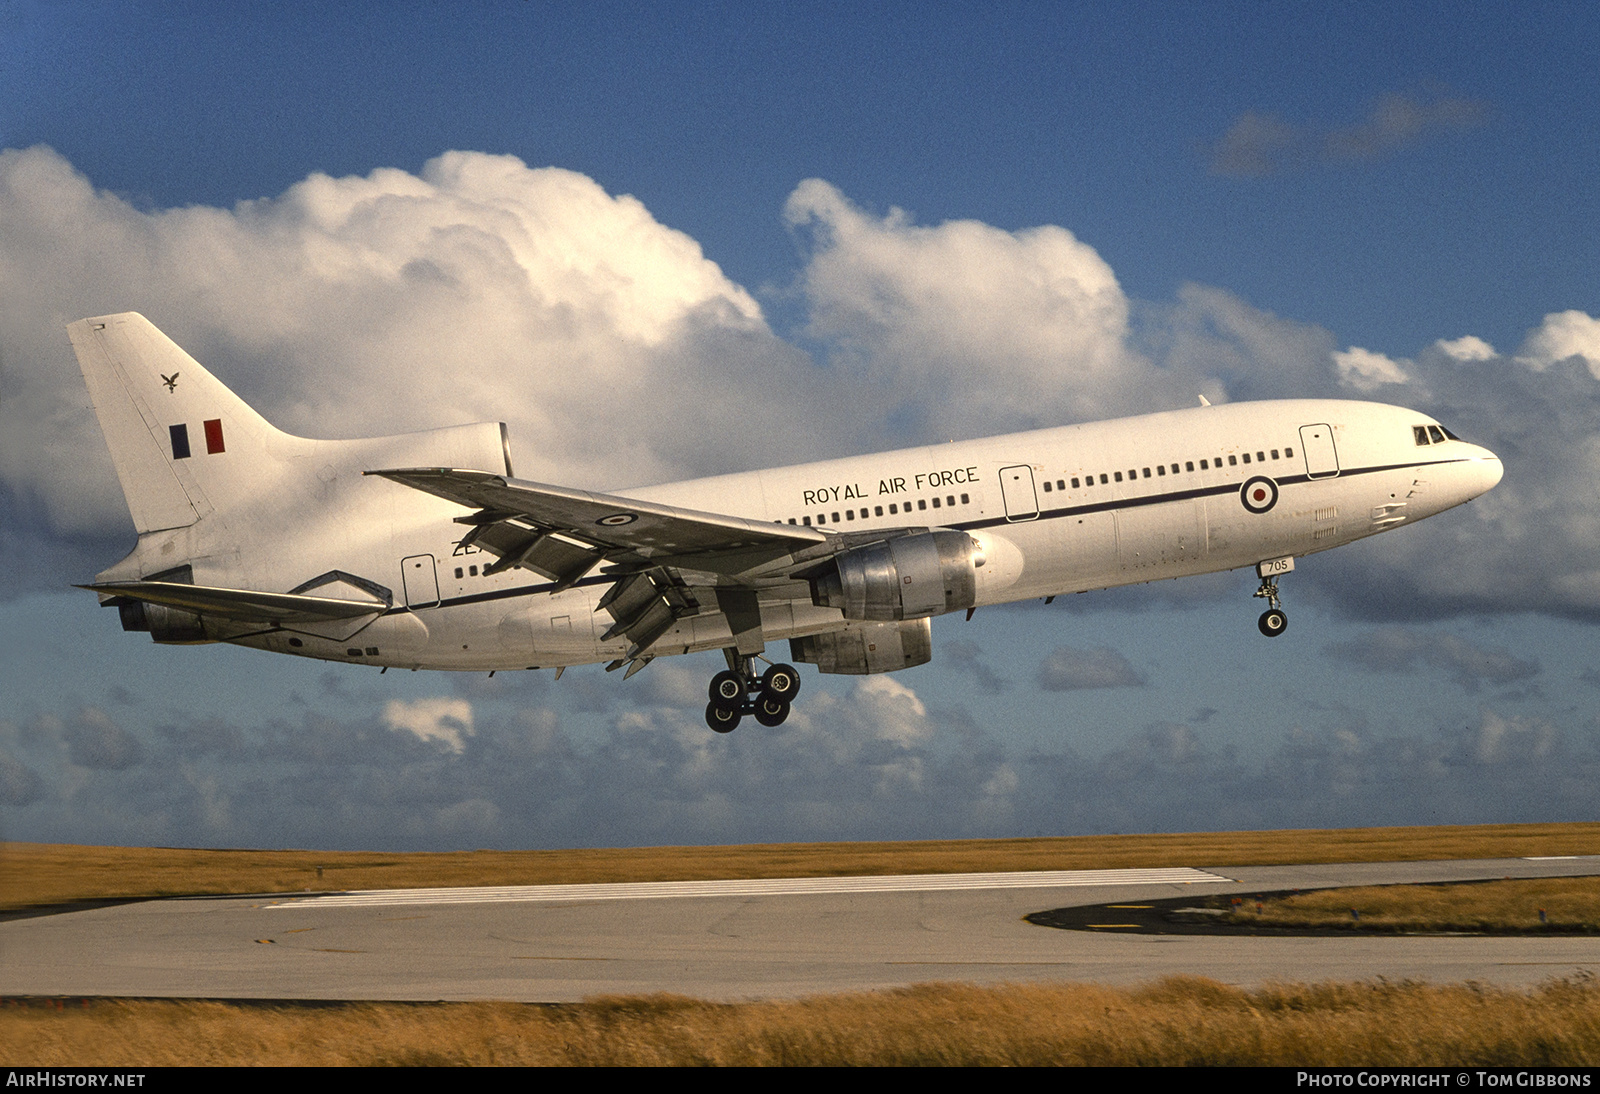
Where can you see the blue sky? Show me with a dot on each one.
(1228, 198)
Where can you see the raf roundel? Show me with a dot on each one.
(1259, 494)
(617, 518)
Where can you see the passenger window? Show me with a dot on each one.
(1161, 469)
(1288, 453)
(1147, 472)
(921, 504)
(877, 510)
(1047, 486)
(791, 520)
(1074, 484)
(1233, 461)
(963, 499)
(1119, 476)
(849, 514)
(836, 518)
(458, 571)
(1103, 478)
(1274, 453)
(1247, 457)
(1203, 466)
(472, 571)
(807, 520)
(1175, 469)
(950, 500)
(936, 503)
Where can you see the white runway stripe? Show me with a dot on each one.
(655, 890)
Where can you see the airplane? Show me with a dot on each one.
(424, 551)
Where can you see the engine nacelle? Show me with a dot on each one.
(172, 626)
(910, 577)
(862, 648)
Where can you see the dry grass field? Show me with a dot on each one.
(34, 874)
(1569, 904)
(1177, 1021)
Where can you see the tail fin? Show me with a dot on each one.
(175, 431)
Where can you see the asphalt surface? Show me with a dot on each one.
(738, 940)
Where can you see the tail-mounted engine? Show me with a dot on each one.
(910, 577)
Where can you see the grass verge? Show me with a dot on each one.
(1532, 906)
(1180, 1021)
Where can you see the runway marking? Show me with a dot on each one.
(656, 890)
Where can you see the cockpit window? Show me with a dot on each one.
(1436, 433)
(1420, 433)
(1449, 434)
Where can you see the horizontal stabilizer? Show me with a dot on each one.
(241, 605)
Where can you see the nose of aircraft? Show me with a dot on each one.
(1483, 471)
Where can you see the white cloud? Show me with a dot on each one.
(1563, 335)
(444, 720)
(1467, 348)
(994, 329)
(1367, 371)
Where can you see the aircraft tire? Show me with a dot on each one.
(723, 719)
(781, 682)
(727, 690)
(771, 711)
(1273, 622)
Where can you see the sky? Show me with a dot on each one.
(664, 241)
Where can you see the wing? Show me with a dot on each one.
(617, 529)
(666, 561)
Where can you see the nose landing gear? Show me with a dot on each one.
(739, 691)
(1274, 621)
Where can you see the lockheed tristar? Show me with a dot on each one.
(425, 551)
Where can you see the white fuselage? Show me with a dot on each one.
(1054, 511)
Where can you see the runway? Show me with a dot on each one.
(736, 939)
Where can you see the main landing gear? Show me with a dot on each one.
(739, 691)
(1274, 621)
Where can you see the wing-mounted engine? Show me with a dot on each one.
(862, 648)
(908, 577)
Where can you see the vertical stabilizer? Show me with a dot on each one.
(180, 440)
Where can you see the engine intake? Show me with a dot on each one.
(909, 577)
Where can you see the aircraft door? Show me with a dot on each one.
(1017, 489)
(421, 580)
(1316, 444)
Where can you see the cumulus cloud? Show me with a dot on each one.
(993, 329)
(1404, 650)
(1367, 371)
(478, 290)
(1263, 143)
(1467, 348)
(1563, 335)
(445, 720)
(1068, 669)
